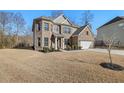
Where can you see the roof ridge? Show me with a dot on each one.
(52, 19)
(115, 19)
(79, 30)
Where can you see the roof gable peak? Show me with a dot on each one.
(62, 20)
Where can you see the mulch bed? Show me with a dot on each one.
(115, 67)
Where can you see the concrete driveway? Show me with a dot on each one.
(117, 52)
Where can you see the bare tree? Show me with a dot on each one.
(56, 13)
(87, 18)
(28, 31)
(11, 26)
(26, 38)
(110, 41)
(5, 20)
(19, 24)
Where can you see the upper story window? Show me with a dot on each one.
(38, 26)
(46, 26)
(67, 30)
(57, 28)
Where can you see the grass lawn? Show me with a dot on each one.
(18, 65)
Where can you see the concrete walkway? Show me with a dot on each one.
(117, 52)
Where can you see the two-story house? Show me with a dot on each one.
(59, 32)
(112, 30)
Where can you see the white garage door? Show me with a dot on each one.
(85, 44)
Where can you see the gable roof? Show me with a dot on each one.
(118, 18)
(62, 21)
(77, 32)
(54, 19)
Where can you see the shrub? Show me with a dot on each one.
(1, 46)
(22, 45)
(58, 50)
(75, 47)
(52, 49)
(45, 49)
(72, 47)
(68, 47)
(79, 47)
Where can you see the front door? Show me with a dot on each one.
(59, 43)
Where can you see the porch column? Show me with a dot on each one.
(63, 43)
(55, 43)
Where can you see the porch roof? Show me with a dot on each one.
(58, 35)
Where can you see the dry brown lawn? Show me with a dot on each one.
(31, 66)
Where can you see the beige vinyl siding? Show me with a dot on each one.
(104, 33)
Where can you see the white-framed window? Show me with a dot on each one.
(67, 30)
(46, 39)
(66, 41)
(39, 41)
(46, 26)
(38, 26)
(56, 28)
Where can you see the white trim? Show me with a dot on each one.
(57, 17)
(66, 19)
(83, 30)
(85, 44)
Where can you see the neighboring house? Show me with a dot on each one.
(59, 33)
(114, 28)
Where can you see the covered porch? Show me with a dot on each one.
(57, 41)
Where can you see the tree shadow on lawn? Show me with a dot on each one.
(81, 61)
(115, 67)
(110, 66)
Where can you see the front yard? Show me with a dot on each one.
(31, 66)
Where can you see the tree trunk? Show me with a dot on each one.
(110, 58)
(2, 36)
(17, 39)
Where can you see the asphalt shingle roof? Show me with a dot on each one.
(118, 18)
(52, 18)
(77, 32)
